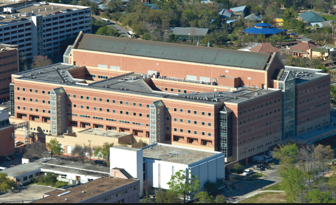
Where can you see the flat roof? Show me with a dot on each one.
(105, 133)
(62, 170)
(174, 51)
(134, 83)
(171, 153)
(303, 75)
(91, 189)
(59, 164)
(44, 10)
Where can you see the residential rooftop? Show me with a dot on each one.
(106, 133)
(45, 10)
(171, 153)
(134, 83)
(85, 191)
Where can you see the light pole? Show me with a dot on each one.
(90, 150)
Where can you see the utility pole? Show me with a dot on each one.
(90, 149)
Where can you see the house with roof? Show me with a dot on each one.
(253, 17)
(190, 33)
(264, 29)
(239, 11)
(307, 49)
(310, 17)
(225, 13)
(261, 48)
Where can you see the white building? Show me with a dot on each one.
(40, 29)
(158, 162)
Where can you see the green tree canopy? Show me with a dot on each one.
(103, 152)
(183, 184)
(55, 147)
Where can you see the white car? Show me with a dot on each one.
(43, 2)
(37, 4)
(247, 172)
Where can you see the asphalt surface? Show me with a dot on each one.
(122, 31)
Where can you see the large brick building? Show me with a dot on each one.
(237, 102)
(7, 135)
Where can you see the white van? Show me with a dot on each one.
(106, 20)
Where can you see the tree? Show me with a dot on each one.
(81, 152)
(286, 154)
(293, 183)
(107, 31)
(166, 197)
(204, 197)
(40, 61)
(323, 154)
(48, 180)
(115, 5)
(238, 168)
(103, 152)
(55, 147)
(6, 183)
(316, 196)
(35, 149)
(210, 186)
(183, 184)
(220, 199)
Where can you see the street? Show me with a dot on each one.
(122, 31)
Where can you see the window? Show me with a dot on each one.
(195, 132)
(107, 100)
(189, 121)
(195, 122)
(175, 119)
(195, 112)
(30, 90)
(121, 102)
(209, 114)
(94, 99)
(126, 112)
(87, 107)
(121, 112)
(100, 99)
(140, 105)
(175, 109)
(209, 134)
(82, 97)
(203, 113)
(100, 109)
(181, 110)
(74, 96)
(181, 120)
(94, 108)
(209, 124)
(203, 133)
(203, 123)
(126, 103)
(87, 97)
(134, 104)
(181, 130)
(36, 91)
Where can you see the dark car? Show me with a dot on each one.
(3, 158)
(100, 162)
(11, 157)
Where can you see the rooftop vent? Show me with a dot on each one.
(34, 77)
(66, 199)
(310, 75)
(234, 97)
(83, 192)
(256, 93)
(68, 192)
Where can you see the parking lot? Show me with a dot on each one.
(14, 162)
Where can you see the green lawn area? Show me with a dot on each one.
(328, 17)
(267, 197)
(257, 175)
(274, 187)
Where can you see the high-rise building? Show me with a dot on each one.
(40, 29)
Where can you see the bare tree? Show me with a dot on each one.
(35, 150)
(39, 61)
(81, 152)
(147, 187)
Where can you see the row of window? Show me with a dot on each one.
(262, 105)
(189, 131)
(189, 111)
(9, 56)
(316, 106)
(189, 121)
(311, 99)
(7, 71)
(312, 89)
(4, 79)
(258, 116)
(31, 90)
(259, 136)
(312, 117)
(31, 109)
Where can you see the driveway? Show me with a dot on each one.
(26, 194)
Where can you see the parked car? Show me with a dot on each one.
(4, 158)
(259, 167)
(11, 157)
(258, 159)
(247, 172)
(100, 162)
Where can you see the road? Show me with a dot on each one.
(121, 30)
(240, 190)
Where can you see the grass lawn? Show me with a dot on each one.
(59, 184)
(257, 175)
(274, 187)
(328, 17)
(270, 197)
